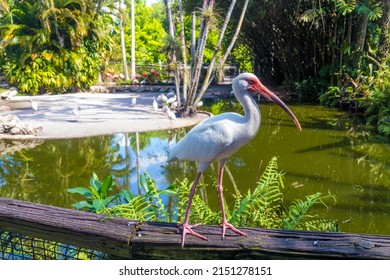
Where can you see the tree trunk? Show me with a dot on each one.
(193, 37)
(384, 44)
(210, 69)
(132, 40)
(123, 45)
(207, 10)
(230, 47)
(174, 57)
(362, 32)
(183, 55)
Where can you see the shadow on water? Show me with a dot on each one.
(325, 157)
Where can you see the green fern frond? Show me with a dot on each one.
(136, 209)
(330, 225)
(200, 211)
(261, 208)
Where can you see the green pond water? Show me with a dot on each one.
(328, 156)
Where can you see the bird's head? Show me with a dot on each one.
(248, 82)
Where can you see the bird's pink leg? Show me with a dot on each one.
(186, 227)
(224, 222)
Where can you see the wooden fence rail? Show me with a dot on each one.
(135, 240)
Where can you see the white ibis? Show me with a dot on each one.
(34, 105)
(199, 104)
(162, 98)
(133, 100)
(171, 100)
(171, 115)
(155, 104)
(173, 106)
(76, 113)
(218, 137)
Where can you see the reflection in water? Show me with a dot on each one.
(324, 157)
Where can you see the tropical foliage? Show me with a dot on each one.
(149, 35)
(96, 194)
(53, 46)
(336, 51)
(262, 207)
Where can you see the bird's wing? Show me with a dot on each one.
(206, 142)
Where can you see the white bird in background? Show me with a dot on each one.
(155, 104)
(171, 115)
(133, 100)
(164, 109)
(173, 106)
(34, 106)
(200, 104)
(171, 100)
(162, 98)
(76, 113)
(218, 137)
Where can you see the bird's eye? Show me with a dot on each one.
(251, 82)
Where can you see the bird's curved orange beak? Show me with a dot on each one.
(259, 88)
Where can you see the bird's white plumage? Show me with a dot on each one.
(214, 139)
(218, 137)
(34, 105)
(171, 115)
(77, 112)
(173, 106)
(155, 104)
(171, 100)
(162, 98)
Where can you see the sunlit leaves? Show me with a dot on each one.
(53, 46)
(345, 6)
(372, 10)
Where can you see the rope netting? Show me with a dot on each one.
(14, 246)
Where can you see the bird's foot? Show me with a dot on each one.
(226, 225)
(187, 229)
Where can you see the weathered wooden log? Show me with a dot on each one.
(134, 240)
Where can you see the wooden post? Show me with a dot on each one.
(135, 240)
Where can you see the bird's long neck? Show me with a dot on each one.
(252, 117)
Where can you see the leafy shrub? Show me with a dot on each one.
(377, 104)
(52, 47)
(96, 194)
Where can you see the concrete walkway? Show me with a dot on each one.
(101, 114)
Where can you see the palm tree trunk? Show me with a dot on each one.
(174, 57)
(207, 10)
(362, 32)
(230, 47)
(384, 44)
(132, 40)
(123, 45)
(210, 69)
(193, 37)
(183, 55)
